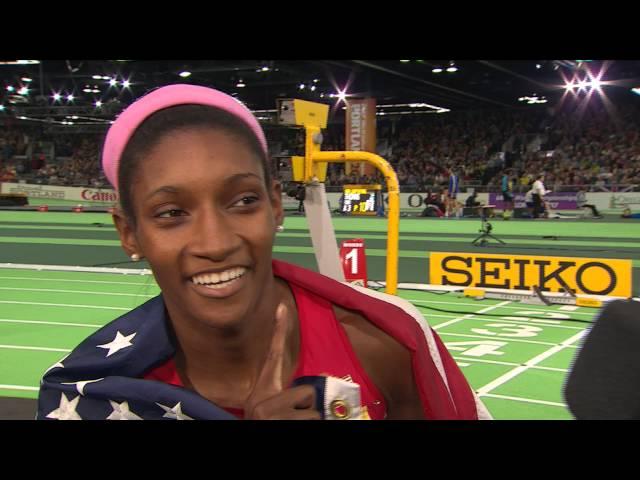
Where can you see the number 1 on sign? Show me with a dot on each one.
(353, 256)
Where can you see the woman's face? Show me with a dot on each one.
(205, 222)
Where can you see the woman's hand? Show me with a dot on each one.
(269, 400)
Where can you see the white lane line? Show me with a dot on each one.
(66, 305)
(523, 368)
(527, 400)
(18, 387)
(508, 364)
(44, 349)
(470, 315)
(531, 322)
(40, 322)
(437, 302)
(40, 279)
(76, 291)
(502, 339)
(569, 308)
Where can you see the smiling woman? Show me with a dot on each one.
(236, 334)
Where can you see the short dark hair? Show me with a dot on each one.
(180, 117)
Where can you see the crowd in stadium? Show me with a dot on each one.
(592, 150)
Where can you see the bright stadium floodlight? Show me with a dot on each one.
(70, 98)
(342, 96)
(98, 104)
(113, 82)
(126, 83)
(56, 97)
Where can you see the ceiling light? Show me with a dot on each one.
(185, 74)
(301, 86)
(70, 98)
(98, 104)
(87, 90)
(240, 84)
(636, 90)
(27, 79)
(1, 108)
(313, 87)
(23, 91)
(405, 61)
(126, 83)
(97, 77)
(437, 70)
(113, 82)
(265, 69)
(538, 66)
(56, 97)
(452, 69)
(10, 88)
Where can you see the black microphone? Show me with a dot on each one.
(604, 381)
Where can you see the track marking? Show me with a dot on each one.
(505, 339)
(44, 349)
(527, 400)
(520, 322)
(18, 387)
(469, 315)
(78, 281)
(569, 308)
(76, 291)
(508, 364)
(522, 368)
(475, 305)
(66, 305)
(40, 322)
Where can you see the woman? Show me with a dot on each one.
(235, 334)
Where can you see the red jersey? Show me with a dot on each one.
(325, 350)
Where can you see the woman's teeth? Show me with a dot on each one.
(218, 280)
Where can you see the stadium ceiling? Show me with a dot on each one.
(475, 84)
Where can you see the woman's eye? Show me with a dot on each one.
(246, 200)
(174, 212)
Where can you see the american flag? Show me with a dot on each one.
(102, 378)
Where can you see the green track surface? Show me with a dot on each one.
(516, 356)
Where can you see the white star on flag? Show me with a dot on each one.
(67, 409)
(57, 365)
(174, 413)
(80, 385)
(118, 343)
(121, 412)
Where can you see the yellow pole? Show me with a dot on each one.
(393, 225)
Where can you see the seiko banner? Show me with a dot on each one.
(592, 276)
(360, 132)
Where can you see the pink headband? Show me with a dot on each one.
(130, 119)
